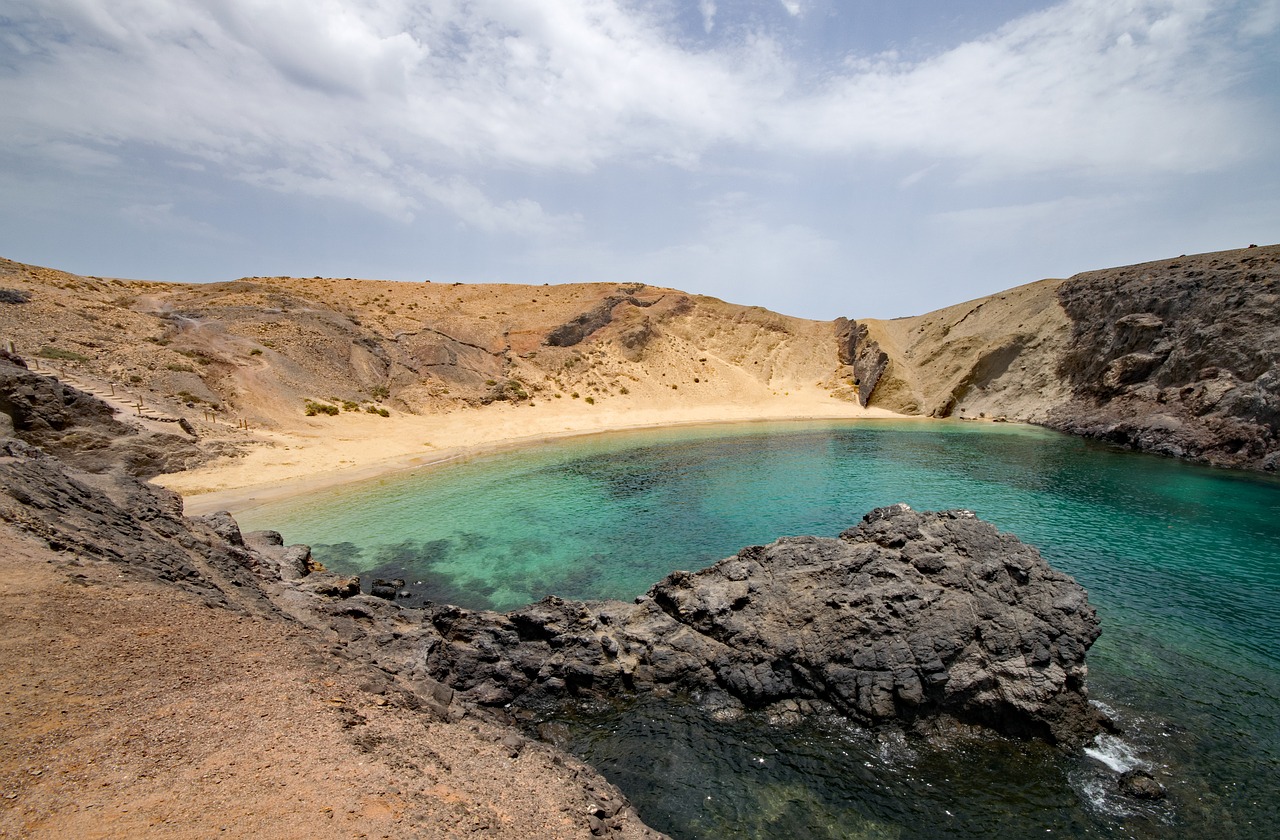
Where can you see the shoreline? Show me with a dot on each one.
(242, 484)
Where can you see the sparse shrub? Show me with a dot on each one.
(381, 392)
(14, 296)
(378, 410)
(180, 368)
(348, 405)
(624, 390)
(313, 408)
(134, 378)
(574, 395)
(490, 382)
(590, 400)
(257, 351)
(50, 352)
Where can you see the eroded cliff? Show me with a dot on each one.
(1179, 357)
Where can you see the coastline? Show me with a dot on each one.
(298, 461)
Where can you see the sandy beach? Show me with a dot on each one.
(330, 451)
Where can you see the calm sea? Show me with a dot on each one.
(1182, 562)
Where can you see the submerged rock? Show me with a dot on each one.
(909, 617)
(1139, 784)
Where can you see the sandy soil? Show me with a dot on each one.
(134, 710)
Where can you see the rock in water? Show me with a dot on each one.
(909, 617)
(1139, 784)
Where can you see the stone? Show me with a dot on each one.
(1139, 784)
(987, 634)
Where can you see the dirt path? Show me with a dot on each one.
(133, 710)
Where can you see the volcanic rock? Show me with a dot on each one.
(909, 617)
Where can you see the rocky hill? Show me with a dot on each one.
(260, 348)
(1179, 357)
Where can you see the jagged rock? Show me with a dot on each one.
(82, 430)
(909, 617)
(573, 332)
(222, 524)
(855, 349)
(1178, 357)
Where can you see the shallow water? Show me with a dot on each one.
(1182, 562)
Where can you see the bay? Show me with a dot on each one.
(1182, 562)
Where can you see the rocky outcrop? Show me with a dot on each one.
(1179, 357)
(913, 618)
(575, 331)
(855, 349)
(81, 429)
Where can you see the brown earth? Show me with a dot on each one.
(134, 709)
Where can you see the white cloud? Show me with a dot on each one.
(708, 10)
(391, 104)
(1085, 85)
(522, 217)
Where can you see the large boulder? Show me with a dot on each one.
(915, 618)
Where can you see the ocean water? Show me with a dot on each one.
(1182, 563)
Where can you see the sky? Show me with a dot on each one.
(815, 157)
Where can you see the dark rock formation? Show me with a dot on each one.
(573, 332)
(855, 349)
(82, 430)
(909, 617)
(1179, 357)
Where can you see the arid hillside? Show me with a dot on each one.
(1179, 356)
(258, 349)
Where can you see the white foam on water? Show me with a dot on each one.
(1114, 753)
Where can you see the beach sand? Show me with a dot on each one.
(329, 451)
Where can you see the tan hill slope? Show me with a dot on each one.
(259, 347)
(283, 379)
(1178, 356)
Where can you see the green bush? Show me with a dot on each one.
(590, 400)
(313, 408)
(48, 352)
(378, 410)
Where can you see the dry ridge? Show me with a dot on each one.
(1179, 357)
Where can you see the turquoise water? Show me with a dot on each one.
(1182, 562)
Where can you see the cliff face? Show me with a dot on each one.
(1179, 357)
